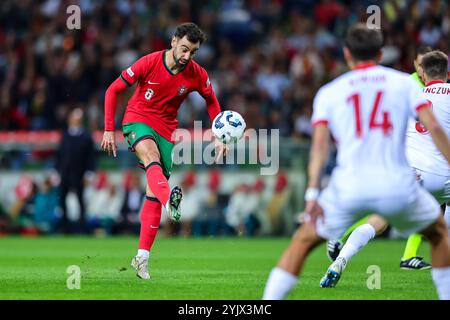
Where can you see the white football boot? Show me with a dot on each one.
(140, 264)
(173, 205)
(333, 274)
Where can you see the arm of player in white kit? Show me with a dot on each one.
(318, 154)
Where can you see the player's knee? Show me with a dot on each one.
(305, 238)
(149, 157)
(148, 192)
(436, 232)
(148, 152)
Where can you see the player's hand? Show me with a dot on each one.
(221, 149)
(313, 211)
(109, 143)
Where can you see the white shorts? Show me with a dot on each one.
(438, 186)
(407, 207)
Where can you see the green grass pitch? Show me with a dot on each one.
(206, 268)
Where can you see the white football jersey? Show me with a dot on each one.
(420, 148)
(367, 111)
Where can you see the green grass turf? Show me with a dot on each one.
(208, 268)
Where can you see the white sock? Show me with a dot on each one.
(279, 284)
(447, 217)
(357, 240)
(143, 253)
(441, 278)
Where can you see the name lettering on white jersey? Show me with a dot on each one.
(436, 90)
(421, 150)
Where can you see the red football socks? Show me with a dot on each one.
(158, 182)
(150, 219)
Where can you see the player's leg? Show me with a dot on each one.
(63, 192)
(150, 217)
(153, 157)
(158, 192)
(410, 260)
(349, 231)
(447, 216)
(412, 245)
(147, 151)
(439, 189)
(284, 276)
(334, 247)
(424, 213)
(82, 219)
(437, 235)
(357, 240)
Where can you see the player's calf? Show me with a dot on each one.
(440, 256)
(284, 276)
(438, 237)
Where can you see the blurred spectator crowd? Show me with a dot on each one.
(266, 58)
(251, 208)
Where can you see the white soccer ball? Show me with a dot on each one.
(228, 126)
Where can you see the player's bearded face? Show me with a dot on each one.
(177, 58)
(183, 51)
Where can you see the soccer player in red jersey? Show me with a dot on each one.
(164, 80)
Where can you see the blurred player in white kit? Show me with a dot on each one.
(367, 111)
(431, 167)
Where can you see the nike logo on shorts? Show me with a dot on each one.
(149, 82)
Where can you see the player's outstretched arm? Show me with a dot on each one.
(318, 156)
(213, 109)
(109, 139)
(437, 132)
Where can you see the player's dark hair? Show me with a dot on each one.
(421, 50)
(192, 31)
(363, 43)
(435, 64)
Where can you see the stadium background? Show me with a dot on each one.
(266, 60)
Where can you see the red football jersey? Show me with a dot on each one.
(159, 92)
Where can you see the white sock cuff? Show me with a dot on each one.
(439, 273)
(143, 253)
(441, 278)
(369, 229)
(283, 274)
(279, 284)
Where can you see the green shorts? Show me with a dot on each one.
(137, 131)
